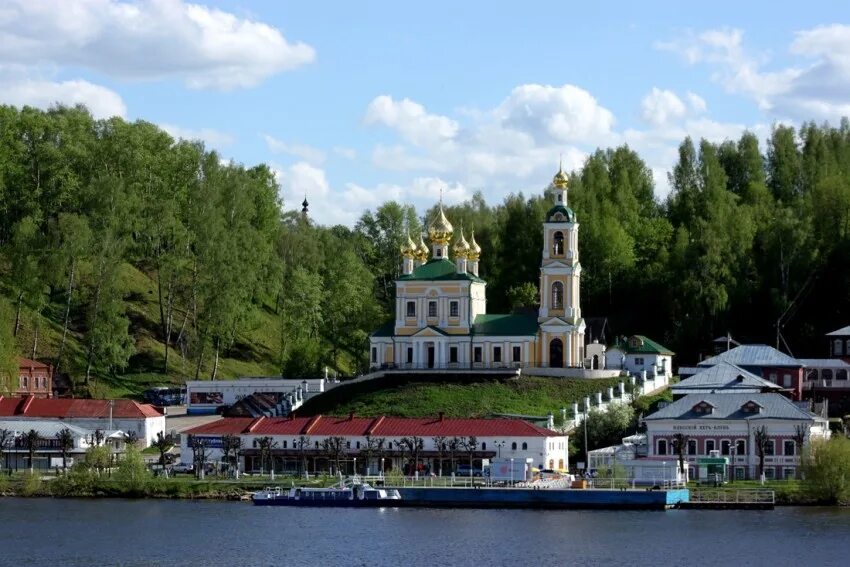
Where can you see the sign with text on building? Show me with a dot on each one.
(701, 428)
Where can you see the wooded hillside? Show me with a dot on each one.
(127, 257)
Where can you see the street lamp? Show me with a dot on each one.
(512, 471)
(499, 445)
(355, 466)
(382, 467)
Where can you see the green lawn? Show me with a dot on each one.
(457, 398)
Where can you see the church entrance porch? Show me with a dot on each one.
(556, 353)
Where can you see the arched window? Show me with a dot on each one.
(558, 243)
(525, 446)
(484, 446)
(513, 446)
(662, 446)
(837, 349)
(557, 295)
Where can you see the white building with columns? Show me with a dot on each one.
(441, 319)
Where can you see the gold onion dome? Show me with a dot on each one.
(423, 252)
(441, 230)
(461, 247)
(409, 249)
(474, 250)
(560, 180)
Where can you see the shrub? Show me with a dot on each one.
(31, 484)
(826, 469)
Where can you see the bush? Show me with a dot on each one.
(79, 480)
(826, 469)
(31, 484)
(132, 474)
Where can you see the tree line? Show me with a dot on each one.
(751, 240)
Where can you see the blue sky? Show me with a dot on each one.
(355, 103)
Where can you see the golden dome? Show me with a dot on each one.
(461, 247)
(474, 250)
(440, 231)
(560, 180)
(409, 249)
(423, 252)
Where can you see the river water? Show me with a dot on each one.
(160, 532)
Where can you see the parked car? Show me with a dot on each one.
(183, 468)
(466, 470)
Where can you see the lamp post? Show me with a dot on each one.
(382, 467)
(355, 466)
(512, 471)
(499, 445)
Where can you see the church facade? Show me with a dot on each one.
(441, 319)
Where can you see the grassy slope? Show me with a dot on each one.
(254, 353)
(528, 396)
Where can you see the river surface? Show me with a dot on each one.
(173, 532)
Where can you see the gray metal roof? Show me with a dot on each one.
(836, 363)
(753, 355)
(728, 406)
(843, 331)
(47, 428)
(723, 376)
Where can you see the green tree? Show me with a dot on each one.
(825, 466)
(65, 440)
(605, 428)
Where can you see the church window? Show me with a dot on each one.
(497, 354)
(453, 354)
(837, 347)
(432, 309)
(525, 446)
(411, 309)
(410, 355)
(477, 354)
(517, 354)
(558, 243)
(453, 309)
(374, 354)
(439, 252)
(557, 295)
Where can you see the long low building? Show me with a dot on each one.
(48, 451)
(373, 444)
(144, 420)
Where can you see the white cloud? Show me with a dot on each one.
(815, 87)
(660, 107)
(411, 120)
(565, 114)
(301, 179)
(696, 102)
(101, 101)
(210, 137)
(303, 151)
(147, 40)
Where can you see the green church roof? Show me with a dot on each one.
(644, 345)
(502, 324)
(439, 269)
(568, 213)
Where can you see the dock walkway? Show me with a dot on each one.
(730, 499)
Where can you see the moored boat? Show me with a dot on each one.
(354, 495)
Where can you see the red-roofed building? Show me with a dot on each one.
(373, 444)
(34, 379)
(109, 415)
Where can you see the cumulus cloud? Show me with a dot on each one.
(148, 40)
(101, 101)
(347, 153)
(300, 179)
(816, 87)
(555, 114)
(660, 107)
(303, 151)
(209, 136)
(411, 120)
